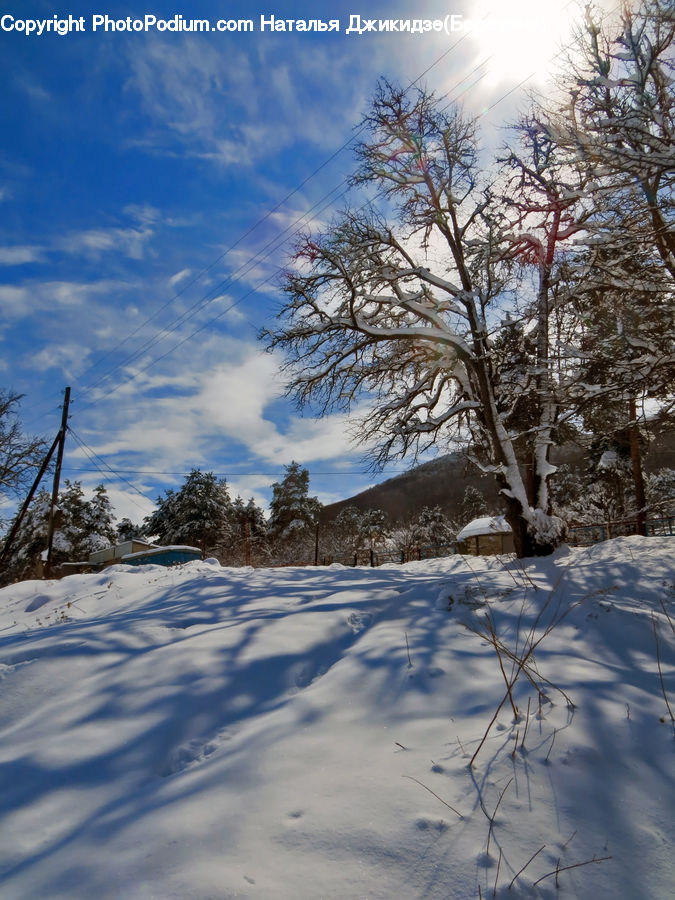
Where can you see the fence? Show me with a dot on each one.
(577, 536)
(585, 535)
(379, 557)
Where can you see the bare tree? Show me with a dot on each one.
(616, 124)
(20, 454)
(410, 316)
(617, 119)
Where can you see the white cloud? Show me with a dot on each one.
(131, 240)
(95, 241)
(223, 412)
(178, 277)
(32, 297)
(20, 255)
(238, 107)
(70, 358)
(15, 301)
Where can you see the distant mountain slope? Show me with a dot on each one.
(443, 481)
(440, 482)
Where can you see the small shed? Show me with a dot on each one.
(486, 536)
(173, 555)
(108, 556)
(140, 553)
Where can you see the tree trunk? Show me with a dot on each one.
(636, 463)
(524, 541)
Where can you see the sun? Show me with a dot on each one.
(521, 38)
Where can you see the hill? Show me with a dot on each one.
(205, 732)
(442, 482)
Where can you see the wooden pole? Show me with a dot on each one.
(17, 522)
(247, 542)
(57, 478)
(636, 464)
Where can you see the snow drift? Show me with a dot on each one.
(205, 732)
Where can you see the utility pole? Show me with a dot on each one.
(636, 464)
(247, 542)
(57, 476)
(9, 540)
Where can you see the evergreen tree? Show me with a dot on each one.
(99, 519)
(661, 493)
(346, 528)
(373, 530)
(293, 513)
(81, 526)
(432, 528)
(128, 531)
(474, 504)
(248, 537)
(200, 514)
(31, 541)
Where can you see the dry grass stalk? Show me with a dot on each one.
(658, 662)
(558, 869)
(499, 865)
(410, 778)
(527, 722)
(492, 817)
(520, 871)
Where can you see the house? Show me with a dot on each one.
(173, 555)
(140, 553)
(486, 536)
(111, 555)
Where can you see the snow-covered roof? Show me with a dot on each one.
(155, 550)
(484, 525)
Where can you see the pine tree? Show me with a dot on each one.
(81, 527)
(432, 527)
(661, 493)
(293, 513)
(100, 519)
(474, 504)
(200, 514)
(128, 531)
(373, 528)
(247, 540)
(293, 516)
(346, 528)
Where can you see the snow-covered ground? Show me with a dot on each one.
(203, 732)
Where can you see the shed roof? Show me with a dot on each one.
(484, 525)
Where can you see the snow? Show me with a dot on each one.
(484, 525)
(201, 732)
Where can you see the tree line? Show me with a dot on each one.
(202, 514)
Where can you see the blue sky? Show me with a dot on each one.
(150, 184)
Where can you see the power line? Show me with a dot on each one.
(93, 456)
(249, 231)
(206, 300)
(278, 241)
(274, 243)
(230, 473)
(286, 234)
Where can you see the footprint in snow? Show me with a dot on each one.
(426, 824)
(357, 621)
